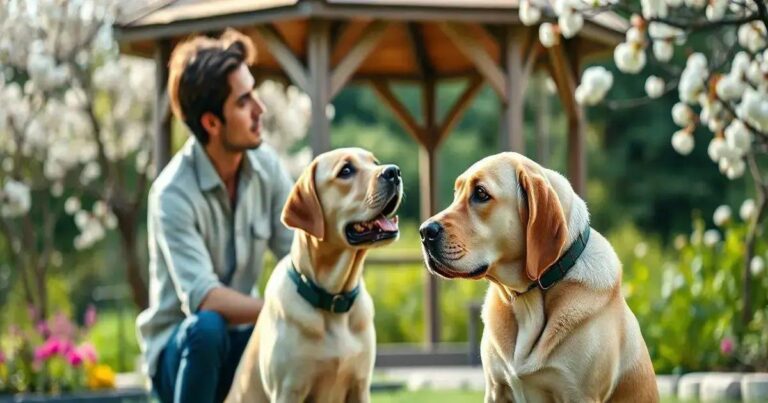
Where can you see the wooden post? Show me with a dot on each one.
(542, 120)
(428, 194)
(161, 112)
(564, 71)
(512, 136)
(318, 55)
(429, 136)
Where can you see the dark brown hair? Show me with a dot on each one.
(198, 76)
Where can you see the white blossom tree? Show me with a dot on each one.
(75, 140)
(722, 83)
(285, 123)
(74, 124)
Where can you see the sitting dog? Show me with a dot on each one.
(314, 340)
(557, 327)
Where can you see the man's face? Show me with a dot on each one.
(242, 113)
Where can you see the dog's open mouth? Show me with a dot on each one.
(382, 227)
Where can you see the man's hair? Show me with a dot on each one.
(198, 76)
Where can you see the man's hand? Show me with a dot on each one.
(235, 307)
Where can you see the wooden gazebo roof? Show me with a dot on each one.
(394, 55)
(321, 45)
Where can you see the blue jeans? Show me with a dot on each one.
(200, 359)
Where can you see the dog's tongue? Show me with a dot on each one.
(386, 224)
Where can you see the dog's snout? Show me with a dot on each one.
(430, 231)
(391, 174)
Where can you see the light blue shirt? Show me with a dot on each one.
(197, 243)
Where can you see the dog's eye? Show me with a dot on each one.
(480, 195)
(346, 171)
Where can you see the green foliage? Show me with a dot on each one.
(688, 299)
(114, 337)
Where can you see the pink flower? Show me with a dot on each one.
(2, 358)
(62, 327)
(73, 358)
(726, 346)
(51, 347)
(90, 316)
(47, 350)
(88, 352)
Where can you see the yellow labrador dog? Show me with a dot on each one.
(557, 328)
(314, 340)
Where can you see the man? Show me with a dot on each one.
(212, 212)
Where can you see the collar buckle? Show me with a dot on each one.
(336, 298)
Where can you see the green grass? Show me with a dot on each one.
(428, 396)
(110, 336)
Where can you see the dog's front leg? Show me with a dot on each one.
(289, 392)
(360, 392)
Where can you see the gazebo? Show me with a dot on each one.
(322, 45)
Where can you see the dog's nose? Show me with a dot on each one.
(392, 174)
(430, 230)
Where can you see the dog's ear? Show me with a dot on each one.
(544, 221)
(302, 209)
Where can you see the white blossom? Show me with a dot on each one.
(629, 58)
(754, 108)
(635, 35)
(682, 114)
(663, 50)
(752, 36)
(757, 265)
(716, 9)
(738, 136)
(722, 215)
(72, 205)
(682, 142)
(548, 36)
(747, 210)
(730, 88)
(711, 237)
(595, 83)
(695, 4)
(570, 23)
(529, 14)
(654, 87)
(15, 199)
(654, 8)
(716, 148)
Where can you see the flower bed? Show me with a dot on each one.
(53, 357)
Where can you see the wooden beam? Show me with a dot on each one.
(461, 105)
(161, 112)
(319, 56)
(476, 53)
(565, 75)
(284, 55)
(512, 136)
(419, 49)
(348, 34)
(401, 112)
(367, 42)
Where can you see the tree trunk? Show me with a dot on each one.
(126, 223)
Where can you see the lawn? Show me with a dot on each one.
(428, 396)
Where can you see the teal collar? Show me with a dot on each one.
(318, 297)
(560, 268)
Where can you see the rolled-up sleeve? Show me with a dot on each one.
(182, 248)
(280, 242)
